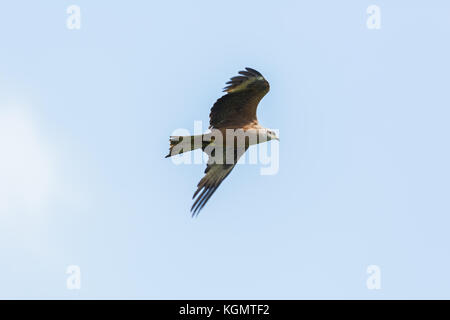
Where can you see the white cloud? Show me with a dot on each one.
(27, 177)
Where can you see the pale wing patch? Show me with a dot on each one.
(243, 85)
(241, 82)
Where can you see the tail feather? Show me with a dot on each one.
(180, 144)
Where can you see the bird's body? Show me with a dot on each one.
(234, 128)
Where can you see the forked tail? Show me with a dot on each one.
(180, 144)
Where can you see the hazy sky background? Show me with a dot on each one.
(364, 174)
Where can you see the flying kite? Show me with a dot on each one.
(234, 113)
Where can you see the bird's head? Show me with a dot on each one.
(271, 135)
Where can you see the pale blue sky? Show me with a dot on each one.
(363, 116)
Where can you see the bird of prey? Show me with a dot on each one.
(233, 112)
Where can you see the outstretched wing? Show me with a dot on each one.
(237, 108)
(215, 173)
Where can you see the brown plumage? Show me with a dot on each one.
(234, 110)
(237, 109)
